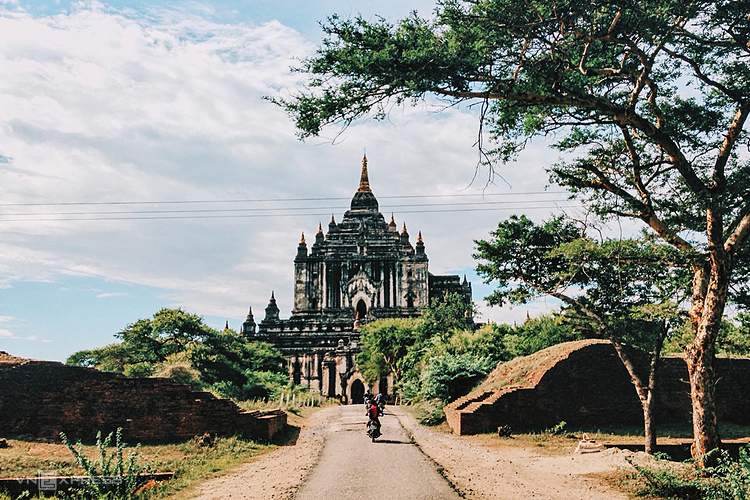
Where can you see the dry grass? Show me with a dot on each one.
(566, 442)
(191, 462)
(526, 371)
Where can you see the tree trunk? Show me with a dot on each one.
(649, 426)
(700, 363)
(700, 355)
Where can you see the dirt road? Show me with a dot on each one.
(353, 467)
(333, 458)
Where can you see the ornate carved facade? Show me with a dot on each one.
(362, 269)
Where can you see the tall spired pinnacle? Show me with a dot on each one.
(364, 181)
(364, 201)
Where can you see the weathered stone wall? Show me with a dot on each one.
(43, 398)
(590, 386)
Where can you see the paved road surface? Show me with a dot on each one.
(351, 467)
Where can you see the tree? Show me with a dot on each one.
(623, 290)
(170, 331)
(447, 314)
(653, 97)
(389, 341)
(179, 345)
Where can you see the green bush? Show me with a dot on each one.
(264, 385)
(728, 480)
(410, 390)
(430, 412)
(178, 368)
(450, 376)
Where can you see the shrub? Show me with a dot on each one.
(143, 369)
(430, 412)
(178, 368)
(728, 480)
(450, 376)
(100, 471)
(558, 429)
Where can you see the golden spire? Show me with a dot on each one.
(364, 181)
(320, 228)
(303, 237)
(419, 238)
(392, 221)
(332, 220)
(404, 229)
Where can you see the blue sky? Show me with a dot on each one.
(152, 101)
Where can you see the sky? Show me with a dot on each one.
(105, 103)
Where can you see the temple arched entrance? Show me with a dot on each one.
(358, 392)
(361, 310)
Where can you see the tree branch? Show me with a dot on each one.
(741, 230)
(619, 348)
(730, 138)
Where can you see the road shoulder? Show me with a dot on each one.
(479, 472)
(277, 474)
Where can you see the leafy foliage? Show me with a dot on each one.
(728, 480)
(450, 376)
(179, 345)
(441, 356)
(650, 100)
(607, 286)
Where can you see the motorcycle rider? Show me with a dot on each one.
(380, 402)
(372, 413)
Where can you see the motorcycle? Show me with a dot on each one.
(373, 430)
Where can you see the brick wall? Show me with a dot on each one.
(43, 398)
(590, 386)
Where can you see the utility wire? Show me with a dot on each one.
(230, 210)
(257, 200)
(249, 216)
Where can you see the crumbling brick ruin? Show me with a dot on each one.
(584, 383)
(42, 398)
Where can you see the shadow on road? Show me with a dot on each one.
(392, 441)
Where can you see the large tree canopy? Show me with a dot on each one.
(651, 96)
(626, 290)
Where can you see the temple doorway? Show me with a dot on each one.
(358, 392)
(361, 310)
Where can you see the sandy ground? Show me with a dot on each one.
(279, 473)
(510, 472)
(476, 467)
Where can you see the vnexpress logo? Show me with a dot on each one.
(47, 480)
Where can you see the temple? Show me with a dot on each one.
(363, 268)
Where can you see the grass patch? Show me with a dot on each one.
(190, 462)
(728, 480)
(429, 413)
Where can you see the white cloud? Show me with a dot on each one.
(6, 319)
(110, 294)
(101, 105)
(5, 333)
(32, 337)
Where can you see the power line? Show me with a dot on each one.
(259, 200)
(230, 210)
(253, 216)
